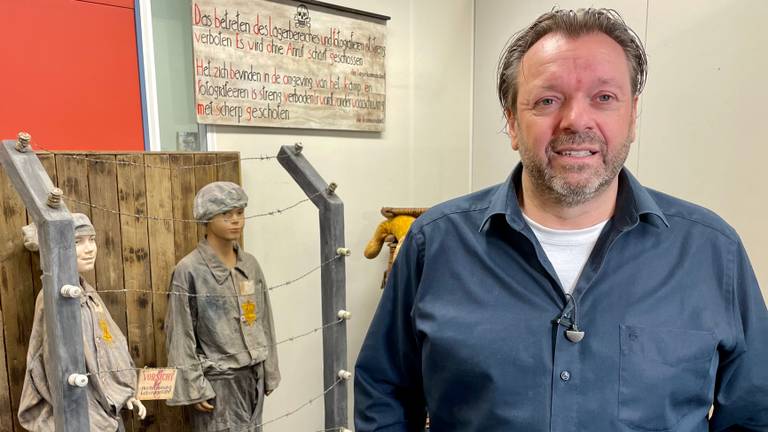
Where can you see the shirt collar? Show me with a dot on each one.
(88, 291)
(218, 269)
(633, 201)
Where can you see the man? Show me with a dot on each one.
(104, 347)
(570, 297)
(219, 325)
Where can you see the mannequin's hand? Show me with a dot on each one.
(135, 403)
(203, 406)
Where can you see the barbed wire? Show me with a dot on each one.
(199, 364)
(270, 288)
(213, 359)
(169, 168)
(198, 221)
(43, 150)
(302, 406)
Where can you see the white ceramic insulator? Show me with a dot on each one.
(71, 291)
(345, 315)
(343, 251)
(77, 380)
(345, 375)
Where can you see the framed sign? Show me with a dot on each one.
(288, 64)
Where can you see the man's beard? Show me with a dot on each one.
(556, 187)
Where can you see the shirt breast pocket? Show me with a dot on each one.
(663, 375)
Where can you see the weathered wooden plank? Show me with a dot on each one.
(17, 293)
(229, 171)
(132, 200)
(102, 182)
(185, 233)
(183, 190)
(49, 163)
(72, 173)
(162, 261)
(228, 167)
(6, 412)
(205, 172)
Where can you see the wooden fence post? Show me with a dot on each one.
(333, 277)
(58, 261)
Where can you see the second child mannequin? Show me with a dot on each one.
(219, 325)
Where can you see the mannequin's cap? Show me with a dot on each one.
(83, 227)
(216, 198)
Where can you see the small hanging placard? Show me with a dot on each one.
(156, 383)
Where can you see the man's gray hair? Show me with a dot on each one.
(571, 24)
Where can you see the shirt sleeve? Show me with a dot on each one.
(271, 368)
(741, 390)
(35, 406)
(180, 344)
(388, 382)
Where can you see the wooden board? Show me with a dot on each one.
(16, 290)
(183, 193)
(72, 173)
(132, 200)
(205, 172)
(102, 184)
(6, 416)
(228, 169)
(162, 260)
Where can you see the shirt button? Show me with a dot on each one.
(565, 375)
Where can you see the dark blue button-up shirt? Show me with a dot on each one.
(467, 327)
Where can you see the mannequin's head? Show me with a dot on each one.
(85, 241)
(221, 206)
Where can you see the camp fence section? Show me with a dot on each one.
(140, 204)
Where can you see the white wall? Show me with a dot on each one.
(700, 130)
(698, 139)
(420, 159)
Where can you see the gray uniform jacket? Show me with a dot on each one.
(105, 349)
(218, 320)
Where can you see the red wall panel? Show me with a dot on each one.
(70, 74)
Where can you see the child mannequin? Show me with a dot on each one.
(220, 319)
(104, 346)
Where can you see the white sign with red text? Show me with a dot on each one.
(286, 64)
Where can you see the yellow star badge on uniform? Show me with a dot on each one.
(249, 312)
(105, 334)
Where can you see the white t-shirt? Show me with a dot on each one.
(567, 250)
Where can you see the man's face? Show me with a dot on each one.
(575, 116)
(85, 248)
(227, 225)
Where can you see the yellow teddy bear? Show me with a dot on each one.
(392, 231)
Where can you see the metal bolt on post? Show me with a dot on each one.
(54, 198)
(332, 188)
(22, 142)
